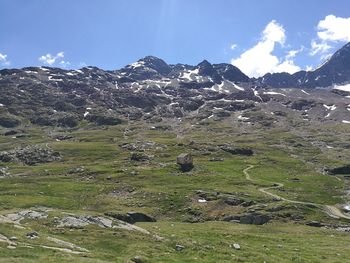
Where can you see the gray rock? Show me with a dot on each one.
(234, 201)
(185, 161)
(315, 224)
(30, 155)
(32, 235)
(137, 259)
(74, 221)
(4, 172)
(251, 219)
(141, 217)
(139, 157)
(236, 246)
(131, 217)
(254, 219)
(80, 169)
(237, 151)
(27, 214)
(179, 247)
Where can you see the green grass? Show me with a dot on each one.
(163, 191)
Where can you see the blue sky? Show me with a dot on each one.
(258, 36)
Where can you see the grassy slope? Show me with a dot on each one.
(165, 193)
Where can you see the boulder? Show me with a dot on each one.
(140, 217)
(236, 246)
(4, 172)
(254, 219)
(237, 151)
(9, 121)
(250, 219)
(302, 104)
(131, 217)
(179, 247)
(315, 224)
(139, 157)
(339, 170)
(10, 133)
(185, 161)
(32, 235)
(100, 119)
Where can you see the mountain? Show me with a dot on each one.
(335, 71)
(152, 90)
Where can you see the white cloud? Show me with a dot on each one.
(51, 59)
(286, 66)
(64, 64)
(321, 47)
(259, 60)
(308, 68)
(233, 46)
(293, 53)
(330, 30)
(274, 32)
(3, 60)
(334, 28)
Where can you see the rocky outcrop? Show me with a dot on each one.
(237, 151)
(9, 121)
(339, 170)
(30, 155)
(131, 217)
(250, 219)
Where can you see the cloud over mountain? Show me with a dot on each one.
(260, 59)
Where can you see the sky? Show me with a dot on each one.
(258, 36)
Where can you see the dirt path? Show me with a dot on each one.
(330, 210)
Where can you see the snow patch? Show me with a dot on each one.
(30, 72)
(274, 93)
(238, 87)
(187, 75)
(240, 117)
(256, 94)
(344, 121)
(137, 64)
(51, 78)
(332, 107)
(70, 74)
(343, 87)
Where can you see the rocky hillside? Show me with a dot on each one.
(152, 90)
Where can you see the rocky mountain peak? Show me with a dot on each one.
(156, 63)
(231, 73)
(206, 69)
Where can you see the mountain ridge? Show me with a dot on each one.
(334, 71)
